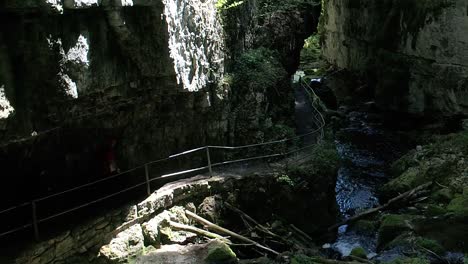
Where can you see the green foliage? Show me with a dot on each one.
(257, 69)
(325, 158)
(280, 131)
(311, 53)
(284, 179)
(324, 161)
(312, 47)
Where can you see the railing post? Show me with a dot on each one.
(209, 161)
(34, 220)
(148, 184)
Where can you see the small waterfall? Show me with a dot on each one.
(195, 41)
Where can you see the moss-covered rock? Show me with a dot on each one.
(218, 252)
(435, 210)
(443, 195)
(404, 182)
(459, 205)
(392, 226)
(430, 244)
(442, 161)
(359, 252)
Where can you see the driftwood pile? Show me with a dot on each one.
(295, 239)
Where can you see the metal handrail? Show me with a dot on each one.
(33, 204)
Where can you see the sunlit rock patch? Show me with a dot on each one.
(195, 41)
(73, 62)
(5, 107)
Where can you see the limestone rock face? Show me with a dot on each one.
(414, 53)
(158, 230)
(124, 244)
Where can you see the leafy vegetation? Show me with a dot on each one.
(257, 69)
(324, 160)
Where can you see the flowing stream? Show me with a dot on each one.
(367, 150)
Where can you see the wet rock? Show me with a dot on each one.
(391, 227)
(124, 245)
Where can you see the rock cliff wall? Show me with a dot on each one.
(146, 73)
(141, 72)
(414, 53)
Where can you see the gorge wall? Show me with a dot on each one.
(148, 74)
(84, 73)
(412, 53)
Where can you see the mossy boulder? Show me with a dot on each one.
(459, 206)
(359, 252)
(442, 161)
(218, 252)
(430, 244)
(435, 210)
(404, 182)
(392, 226)
(443, 195)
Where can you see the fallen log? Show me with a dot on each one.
(247, 217)
(198, 231)
(411, 194)
(223, 230)
(291, 242)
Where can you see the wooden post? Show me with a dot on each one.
(209, 161)
(34, 220)
(148, 184)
